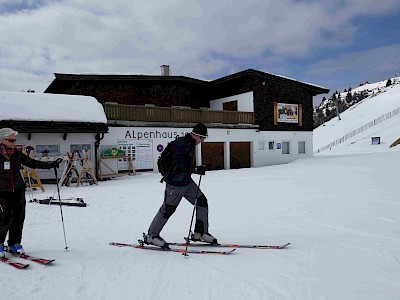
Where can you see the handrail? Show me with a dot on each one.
(177, 115)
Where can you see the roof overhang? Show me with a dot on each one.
(54, 127)
(314, 89)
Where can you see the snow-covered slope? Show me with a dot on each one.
(372, 109)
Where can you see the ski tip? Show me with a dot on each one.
(283, 246)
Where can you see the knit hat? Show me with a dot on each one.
(6, 132)
(200, 130)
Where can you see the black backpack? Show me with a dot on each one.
(165, 161)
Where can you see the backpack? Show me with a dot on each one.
(165, 161)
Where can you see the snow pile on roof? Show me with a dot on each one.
(20, 106)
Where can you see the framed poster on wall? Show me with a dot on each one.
(287, 113)
(47, 150)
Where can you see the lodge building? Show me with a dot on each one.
(254, 118)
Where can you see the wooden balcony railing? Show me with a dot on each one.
(175, 115)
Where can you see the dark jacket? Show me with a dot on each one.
(183, 160)
(11, 179)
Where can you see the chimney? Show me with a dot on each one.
(164, 70)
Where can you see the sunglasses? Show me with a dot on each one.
(11, 140)
(200, 136)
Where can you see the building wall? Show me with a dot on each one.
(266, 156)
(43, 139)
(266, 92)
(150, 141)
(245, 102)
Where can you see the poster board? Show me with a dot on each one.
(287, 113)
(141, 152)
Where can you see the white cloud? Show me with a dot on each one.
(138, 36)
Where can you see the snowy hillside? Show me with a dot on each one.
(339, 212)
(339, 102)
(370, 89)
(371, 116)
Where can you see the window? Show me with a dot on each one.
(302, 147)
(271, 145)
(261, 146)
(285, 147)
(231, 105)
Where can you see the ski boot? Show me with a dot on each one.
(16, 249)
(2, 250)
(155, 240)
(204, 237)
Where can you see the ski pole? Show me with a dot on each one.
(61, 178)
(59, 201)
(191, 221)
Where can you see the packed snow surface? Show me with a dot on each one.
(339, 212)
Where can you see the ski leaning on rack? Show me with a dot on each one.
(13, 263)
(42, 261)
(195, 244)
(179, 250)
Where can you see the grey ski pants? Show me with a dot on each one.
(172, 198)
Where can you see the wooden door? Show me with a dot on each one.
(240, 155)
(212, 154)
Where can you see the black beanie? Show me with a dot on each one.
(200, 130)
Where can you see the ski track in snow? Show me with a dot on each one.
(243, 280)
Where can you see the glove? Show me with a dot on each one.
(200, 170)
(56, 163)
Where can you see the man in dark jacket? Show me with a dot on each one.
(12, 190)
(179, 184)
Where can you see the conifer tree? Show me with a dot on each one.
(349, 97)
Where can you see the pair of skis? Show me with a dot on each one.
(18, 265)
(144, 246)
(179, 250)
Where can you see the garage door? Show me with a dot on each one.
(213, 155)
(240, 155)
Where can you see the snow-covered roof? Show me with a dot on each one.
(20, 106)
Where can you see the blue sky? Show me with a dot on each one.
(334, 44)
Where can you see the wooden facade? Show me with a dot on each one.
(187, 99)
(162, 91)
(268, 89)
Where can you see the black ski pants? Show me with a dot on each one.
(12, 216)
